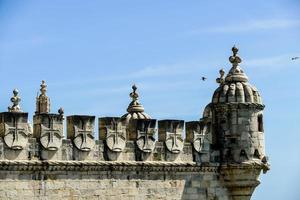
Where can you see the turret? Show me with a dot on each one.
(235, 122)
(237, 115)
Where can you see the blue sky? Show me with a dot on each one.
(91, 52)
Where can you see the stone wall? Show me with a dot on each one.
(116, 181)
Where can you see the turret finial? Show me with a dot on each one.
(235, 59)
(221, 79)
(15, 101)
(135, 110)
(235, 73)
(134, 95)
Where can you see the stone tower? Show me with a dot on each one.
(235, 120)
(237, 116)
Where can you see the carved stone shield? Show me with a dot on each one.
(15, 137)
(50, 138)
(174, 141)
(80, 129)
(196, 134)
(116, 136)
(145, 135)
(84, 139)
(198, 140)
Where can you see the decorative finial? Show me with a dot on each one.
(43, 88)
(134, 95)
(235, 59)
(15, 101)
(61, 111)
(42, 101)
(135, 110)
(236, 73)
(221, 79)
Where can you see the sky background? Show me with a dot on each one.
(91, 52)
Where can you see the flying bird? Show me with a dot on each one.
(203, 78)
(295, 58)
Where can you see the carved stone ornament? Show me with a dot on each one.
(116, 136)
(15, 102)
(50, 137)
(198, 138)
(42, 101)
(145, 135)
(174, 141)
(84, 139)
(15, 137)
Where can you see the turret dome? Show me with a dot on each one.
(135, 110)
(235, 87)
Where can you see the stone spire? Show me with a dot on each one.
(15, 102)
(236, 74)
(42, 101)
(135, 109)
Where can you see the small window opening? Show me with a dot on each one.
(260, 123)
(256, 154)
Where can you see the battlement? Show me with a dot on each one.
(116, 141)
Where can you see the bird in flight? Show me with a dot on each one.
(295, 58)
(203, 78)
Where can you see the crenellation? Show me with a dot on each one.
(14, 131)
(48, 130)
(80, 129)
(171, 133)
(114, 133)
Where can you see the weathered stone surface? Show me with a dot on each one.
(170, 131)
(80, 128)
(113, 131)
(195, 134)
(48, 128)
(14, 129)
(144, 134)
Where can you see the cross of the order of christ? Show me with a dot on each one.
(82, 138)
(49, 136)
(198, 139)
(145, 139)
(116, 138)
(13, 136)
(174, 141)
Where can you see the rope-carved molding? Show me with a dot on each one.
(51, 165)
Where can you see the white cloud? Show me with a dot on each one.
(252, 25)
